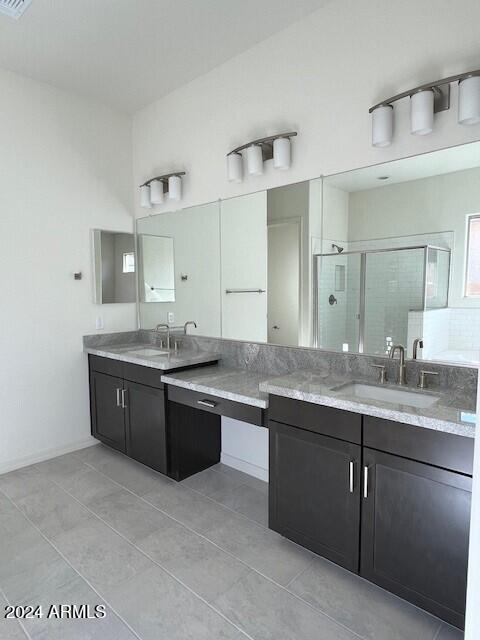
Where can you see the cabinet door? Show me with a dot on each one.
(108, 423)
(314, 492)
(145, 424)
(415, 526)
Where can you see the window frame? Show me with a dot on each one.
(124, 256)
(470, 217)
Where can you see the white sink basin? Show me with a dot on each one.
(387, 394)
(148, 352)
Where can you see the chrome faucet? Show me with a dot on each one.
(402, 375)
(167, 327)
(186, 325)
(418, 342)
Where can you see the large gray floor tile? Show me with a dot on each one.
(240, 477)
(99, 554)
(96, 454)
(248, 501)
(268, 612)
(10, 629)
(57, 468)
(53, 510)
(79, 593)
(210, 482)
(159, 608)
(23, 482)
(193, 560)
(367, 610)
(131, 475)
(449, 633)
(186, 506)
(12, 521)
(129, 515)
(262, 549)
(88, 485)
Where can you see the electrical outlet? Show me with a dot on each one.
(170, 317)
(99, 323)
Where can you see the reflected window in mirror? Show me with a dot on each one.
(472, 287)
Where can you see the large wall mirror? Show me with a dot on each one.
(353, 262)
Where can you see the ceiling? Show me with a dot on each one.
(435, 163)
(128, 53)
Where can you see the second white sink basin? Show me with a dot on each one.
(387, 394)
(148, 352)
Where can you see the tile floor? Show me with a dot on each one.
(171, 561)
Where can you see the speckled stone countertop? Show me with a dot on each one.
(239, 385)
(166, 362)
(447, 414)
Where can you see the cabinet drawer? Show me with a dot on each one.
(441, 449)
(106, 365)
(327, 421)
(216, 405)
(143, 375)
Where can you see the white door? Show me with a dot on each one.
(244, 267)
(284, 282)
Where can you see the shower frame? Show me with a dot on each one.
(363, 274)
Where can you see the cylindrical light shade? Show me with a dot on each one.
(145, 197)
(382, 126)
(281, 153)
(156, 192)
(469, 100)
(175, 188)
(421, 112)
(235, 167)
(255, 160)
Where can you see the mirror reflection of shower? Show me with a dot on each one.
(381, 296)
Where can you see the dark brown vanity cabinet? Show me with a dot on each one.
(314, 500)
(127, 404)
(387, 500)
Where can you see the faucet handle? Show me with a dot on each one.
(422, 383)
(383, 372)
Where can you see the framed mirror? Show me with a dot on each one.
(114, 267)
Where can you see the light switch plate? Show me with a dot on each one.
(170, 317)
(99, 323)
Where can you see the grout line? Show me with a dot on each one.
(69, 563)
(300, 573)
(20, 622)
(437, 632)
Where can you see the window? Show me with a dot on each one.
(472, 283)
(129, 262)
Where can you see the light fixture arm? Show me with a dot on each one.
(441, 89)
(265, 143)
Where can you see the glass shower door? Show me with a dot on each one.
(338, 302)
(394, 286)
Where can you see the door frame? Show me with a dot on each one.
(298, 221)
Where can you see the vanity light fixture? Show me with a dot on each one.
(154, 190)
(425, 101)
(258, 151)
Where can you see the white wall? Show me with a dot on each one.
(66, 168)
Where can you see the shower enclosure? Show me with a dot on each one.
(364, 300)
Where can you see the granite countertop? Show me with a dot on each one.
(239, 385)
(449, 414)
(166, 362)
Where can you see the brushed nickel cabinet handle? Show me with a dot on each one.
(207, 403)
(365, 482)
(351, 470)
(118, 397)
(124, 405)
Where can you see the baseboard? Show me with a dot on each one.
(246, 467)
(46, 454)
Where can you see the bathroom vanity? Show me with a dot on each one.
(379, 487)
